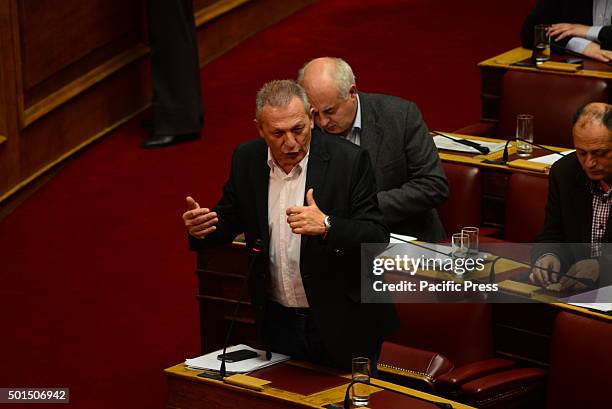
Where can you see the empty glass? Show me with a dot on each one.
(472, 233)
(460, 245)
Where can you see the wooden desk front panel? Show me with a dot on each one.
(186, 394)
(221, 274)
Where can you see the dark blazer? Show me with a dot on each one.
(563, 11)
(411, 181)
(344, 188)
(569, 214)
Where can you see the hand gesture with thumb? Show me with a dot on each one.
(199, 221)
(307, 220)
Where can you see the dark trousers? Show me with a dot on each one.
(177, 104)
(292, 331)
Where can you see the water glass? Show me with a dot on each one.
(541, 43)
(361, 372)
(472, 233)
(524, 130)
(460, 245)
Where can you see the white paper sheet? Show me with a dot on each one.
(550, 159)
(400, 238)
(599, 299)
(210, 361)
(446, 144)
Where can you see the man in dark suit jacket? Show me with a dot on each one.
(578, 207)
(411, 181)
(573, 26)
(313, 313)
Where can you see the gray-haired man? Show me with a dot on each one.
(311, 201)
(409, 175)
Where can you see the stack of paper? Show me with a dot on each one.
(210, 361)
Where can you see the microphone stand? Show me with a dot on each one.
(347, 398)
(255, 250)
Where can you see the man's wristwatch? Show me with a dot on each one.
(327, 223)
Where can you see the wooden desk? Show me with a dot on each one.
(494, 177)
(478, 160)
(186, 390)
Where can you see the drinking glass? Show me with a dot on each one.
(460, 245)
(472, 233)
(361, 372)
(524, 130)
(541, 43)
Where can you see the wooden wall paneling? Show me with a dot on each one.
(56, 34)
(9, 103)
(241, 19)
(490, 94)
(81, 120)
(64, 47)
(82, 83)
(200, 4)
(64, 64)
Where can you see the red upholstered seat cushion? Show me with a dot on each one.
(581, 363)
(462, 208)
(551, 98)
(525, 202)
(461, 332)
(407, 359)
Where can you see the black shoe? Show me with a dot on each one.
(160, 141)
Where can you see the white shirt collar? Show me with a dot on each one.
(300, 166)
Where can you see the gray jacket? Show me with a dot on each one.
(409, 175)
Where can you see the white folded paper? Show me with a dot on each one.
(446, 144)
(210, 361)
(552, 158)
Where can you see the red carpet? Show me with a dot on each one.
(97, 289)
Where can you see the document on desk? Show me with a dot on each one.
(210, 361)
(598, 299)
(552, 158)
(446, 144)
(400, 238)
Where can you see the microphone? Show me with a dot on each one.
(505, 155)
(347, 398)
(482, 149)
(254, 250)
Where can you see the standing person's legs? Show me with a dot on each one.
(177, 104)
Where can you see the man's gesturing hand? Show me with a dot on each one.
(307, 220)
(199, 221)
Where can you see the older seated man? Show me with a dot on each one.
(578, 207)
